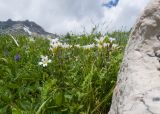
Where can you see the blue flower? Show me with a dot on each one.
(17, 57)
(111, 3)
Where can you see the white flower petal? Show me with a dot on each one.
(102, 39)
(49, 61)
(111, 39)
(106, 44)
(40, 63)
(42, 56)
(114, 45)
(97, 40)
(44, 65)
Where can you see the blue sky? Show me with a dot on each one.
(61, 16)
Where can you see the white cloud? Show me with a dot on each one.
(61, 16)
(125, 14)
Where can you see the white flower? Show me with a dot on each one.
(106, 44)
(88, 46)
(102, 45)
(44, 61)
(79, 37)
(66, 45)
(56, 45)
(100, 40)
(31, 39)
(111, 39)
(77, 45)
(99, 45)
(53, 41)
(114, 45)
(59, 44)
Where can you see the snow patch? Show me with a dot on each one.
(26, 29)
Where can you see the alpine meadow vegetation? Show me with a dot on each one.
(71, 74)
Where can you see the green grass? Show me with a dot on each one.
(77, 81)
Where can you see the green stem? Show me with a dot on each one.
(105, 99)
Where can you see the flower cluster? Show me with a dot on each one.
(101, 42)
(55, 44)
(88, 46)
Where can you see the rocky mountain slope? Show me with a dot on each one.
(23, 27)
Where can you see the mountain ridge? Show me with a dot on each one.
(23, 28)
